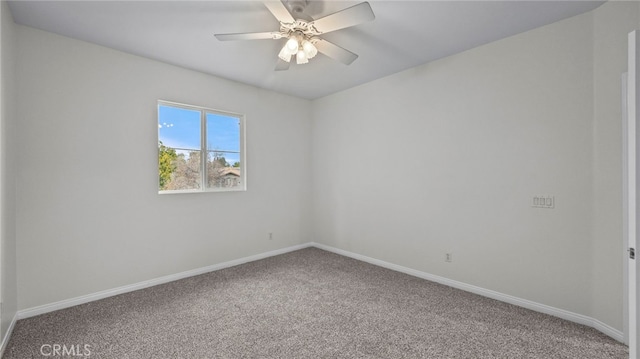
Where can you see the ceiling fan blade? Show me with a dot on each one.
(279, 10)
(282, 65)
(335, 52)
(249, 36)
(352, 16)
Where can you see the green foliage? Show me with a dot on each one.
(219, 160)
(236, 164)
(166, 164)
(222, 162)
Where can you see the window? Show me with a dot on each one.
(199, 149)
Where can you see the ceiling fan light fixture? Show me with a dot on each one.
(309, 49)
(285, 54)
(292, 45)
(301, 58)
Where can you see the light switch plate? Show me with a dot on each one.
(543, 201)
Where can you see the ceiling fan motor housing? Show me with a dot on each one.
(297, 6)
(300, 28)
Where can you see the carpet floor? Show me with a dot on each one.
(304, 304)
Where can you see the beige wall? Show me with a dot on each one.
(89, 216)
(446, 157)
(7, 170)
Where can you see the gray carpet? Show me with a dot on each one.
(306, 304)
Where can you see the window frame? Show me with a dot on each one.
(204, 152)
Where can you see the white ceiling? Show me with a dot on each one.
(403, 35)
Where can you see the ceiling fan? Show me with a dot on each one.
(303, 33)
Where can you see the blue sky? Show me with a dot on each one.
(180, 128)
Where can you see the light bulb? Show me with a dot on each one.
(285, 54)
(292, 45)
(301, 58)
(309, 49)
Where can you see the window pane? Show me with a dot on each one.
(199, 149)
(185, 171)
(179, 127)
(223, 169)
(179, 148)
(223, 155)
(223, 133)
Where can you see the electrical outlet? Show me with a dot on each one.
(448, 257)
(270, 236)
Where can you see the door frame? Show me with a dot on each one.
(631, 188)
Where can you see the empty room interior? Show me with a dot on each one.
(440, 179)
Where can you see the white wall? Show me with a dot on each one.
(89, 217)
(612, 22)
(446, 157)
(7, 170)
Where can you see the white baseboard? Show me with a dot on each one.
(538, 307)
(7, 335)
(606, 329)
(42, 309)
